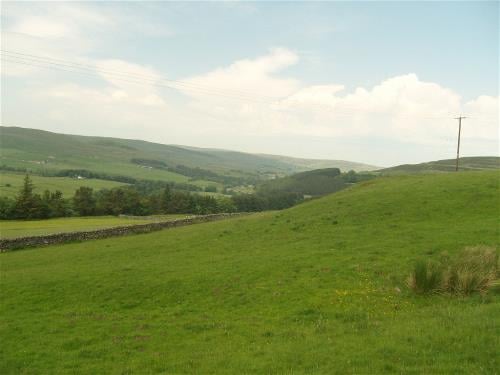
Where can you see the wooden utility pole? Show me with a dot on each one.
(459, 118)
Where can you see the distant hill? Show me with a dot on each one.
(310, 164)
(39, 151)
(448, 165)
(314, 183)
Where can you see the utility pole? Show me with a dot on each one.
(459, 118)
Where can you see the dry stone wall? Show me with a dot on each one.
(57, 238)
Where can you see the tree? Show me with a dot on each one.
(225, 204)
(249, 202)
(211, 189)
(6, 208)
(351, 177)
(180, 203)
(27, 204)
(56, 204)
(83, 201)
(166, 199)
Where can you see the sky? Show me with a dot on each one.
(373, 82)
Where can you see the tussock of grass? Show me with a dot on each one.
(476, 269)
(426, 277)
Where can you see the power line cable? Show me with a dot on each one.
(89, 70)
(190, 83)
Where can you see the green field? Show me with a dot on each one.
(476, 163)
(318, 288)
(11, 183)
(23, 228)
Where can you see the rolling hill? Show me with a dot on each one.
(39, 150)
(318, 288)
(476, 163)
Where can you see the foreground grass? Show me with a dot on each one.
(22, 228)
(11, 183)
(318, 288)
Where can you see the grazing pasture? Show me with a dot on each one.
(10, 183)
(25, 228)
(318, 288)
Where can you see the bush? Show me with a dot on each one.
(476, 269)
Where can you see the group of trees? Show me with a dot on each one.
(28, 205)
(314, 183)
(141, 199)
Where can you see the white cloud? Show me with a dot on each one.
(55, 21)
(484, 115)
(72, 29)
(41, 27)
(399, 107)
(137, 81)
(65, 33)
(249, 78)
(54, 30)
(402, 108)
(124, 83)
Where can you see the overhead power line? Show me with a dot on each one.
(118, 77)
(28, 59)
(177, 84)
(190, 83)
(72, 67)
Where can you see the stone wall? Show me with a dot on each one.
(56, 238)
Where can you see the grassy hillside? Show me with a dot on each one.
(10, 183)
(465, 164)
(319, 288)
(41, 150)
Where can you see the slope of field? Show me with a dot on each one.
(448, 165)
(11, 183)
(319, 288)
(39, 150)
(24, 228)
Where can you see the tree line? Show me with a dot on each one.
(141, 199)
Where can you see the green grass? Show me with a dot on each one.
(319, 288)
(23, 228)
(11, 183)
(476, 163)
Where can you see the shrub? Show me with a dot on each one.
(476, 269)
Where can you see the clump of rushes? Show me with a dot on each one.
(426, 277)
(476, 269)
